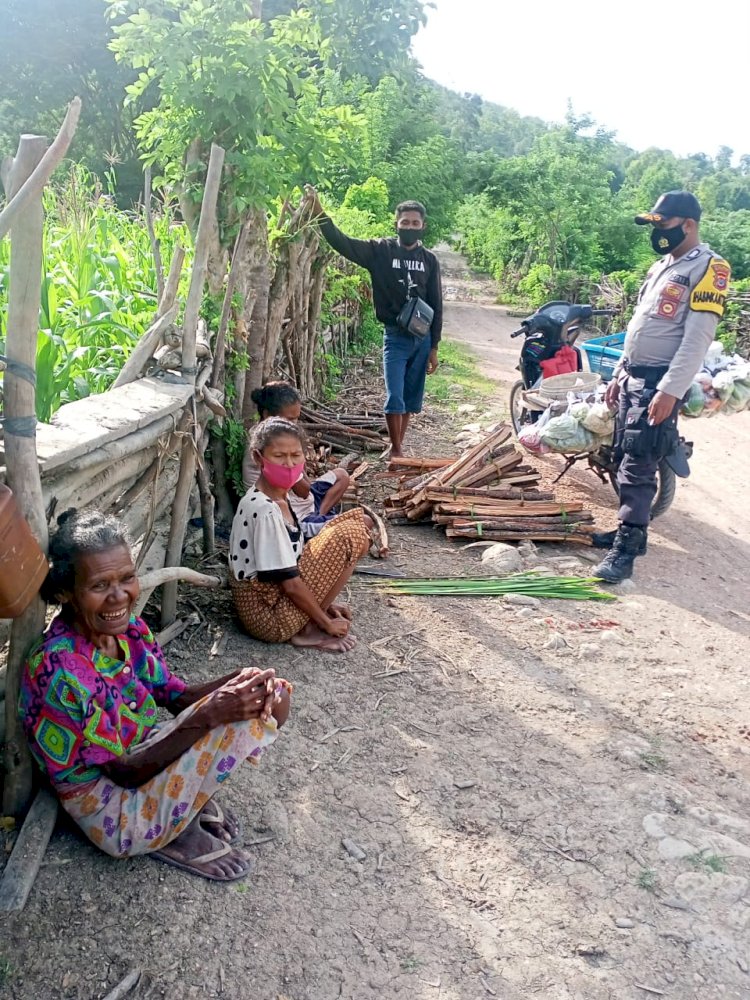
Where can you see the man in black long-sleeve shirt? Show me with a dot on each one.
(406, 358)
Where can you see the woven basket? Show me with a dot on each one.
(558, 386)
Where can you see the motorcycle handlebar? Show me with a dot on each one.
(603, 312)
(518, 332)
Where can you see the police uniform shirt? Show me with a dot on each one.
(679, 307)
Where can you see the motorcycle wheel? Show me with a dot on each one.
(666, 486)
(519, 415)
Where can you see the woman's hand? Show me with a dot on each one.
(249, 695)
(340, 611)
(337, 627)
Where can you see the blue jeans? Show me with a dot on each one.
(405, 360)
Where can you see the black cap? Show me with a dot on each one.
(672, 205)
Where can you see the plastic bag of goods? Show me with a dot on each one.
(579, 410)
(695, 403)
(712, 402)
(739, 399)
(565, 435)
(722, 385)
(600, 421)
(530, 435)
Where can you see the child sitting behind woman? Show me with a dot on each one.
(315, 503)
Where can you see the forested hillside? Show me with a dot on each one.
(326, 91)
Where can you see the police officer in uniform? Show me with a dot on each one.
(679, 306)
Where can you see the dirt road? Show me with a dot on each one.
(553, 801)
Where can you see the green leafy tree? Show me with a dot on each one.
(729, 234)
(367, 38)
(220, 75)
(51, 51)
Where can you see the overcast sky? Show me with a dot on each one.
(659, 73)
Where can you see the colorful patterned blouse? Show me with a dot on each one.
(81, 709)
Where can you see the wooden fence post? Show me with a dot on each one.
(20, 443)
(189, 331)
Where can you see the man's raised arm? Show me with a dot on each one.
(358, 251)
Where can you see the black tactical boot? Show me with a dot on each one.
(606, 539)
(617, 565)
(603, 539)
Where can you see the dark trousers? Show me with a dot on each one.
(636, 477)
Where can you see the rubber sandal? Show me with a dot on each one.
(204, 859)
(219, 819)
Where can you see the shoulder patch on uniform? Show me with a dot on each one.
(710, 294)
(721, 273)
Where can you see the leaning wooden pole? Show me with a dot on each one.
(34, 184)
(200, 262)
(189, 372)
(22, 468)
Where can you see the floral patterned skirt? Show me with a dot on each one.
(264, 609)
(125, 822)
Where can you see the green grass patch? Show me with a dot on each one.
(708, 863)
(410, 964)
(458, 379)
(647, 880)
(654, 759)
(6, 971)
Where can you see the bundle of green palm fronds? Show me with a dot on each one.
(571, 588)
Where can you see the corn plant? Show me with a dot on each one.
(98, 289)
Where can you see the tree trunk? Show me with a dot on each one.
(255, 284)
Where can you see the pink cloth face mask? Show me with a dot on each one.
(283, 477)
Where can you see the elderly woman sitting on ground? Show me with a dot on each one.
(284, 587)
(89, 696)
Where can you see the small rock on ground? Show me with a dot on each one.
(609, 637)
(502, 558)
(567, 565)
(523, 600)
(591, 557)
(589, 651)
(555, 641)
(353, 850)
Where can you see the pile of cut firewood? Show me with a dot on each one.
(488, 493)
(344, 432)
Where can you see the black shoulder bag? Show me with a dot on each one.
(415, 316)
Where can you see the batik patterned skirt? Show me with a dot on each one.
(265, 610)
(125, 822)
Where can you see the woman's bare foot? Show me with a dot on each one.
(312, 637)
(200, 853)
(336, 645)
(220, 823)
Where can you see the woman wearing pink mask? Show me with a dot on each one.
(284, 589)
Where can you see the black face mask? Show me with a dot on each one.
(664, 241)
(410, 236)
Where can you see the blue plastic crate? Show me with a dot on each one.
(603, 354)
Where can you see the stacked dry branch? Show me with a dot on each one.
(489, 493)
(343, 431)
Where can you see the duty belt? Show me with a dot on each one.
(650, 374)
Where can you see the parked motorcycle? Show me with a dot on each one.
(550, 348)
